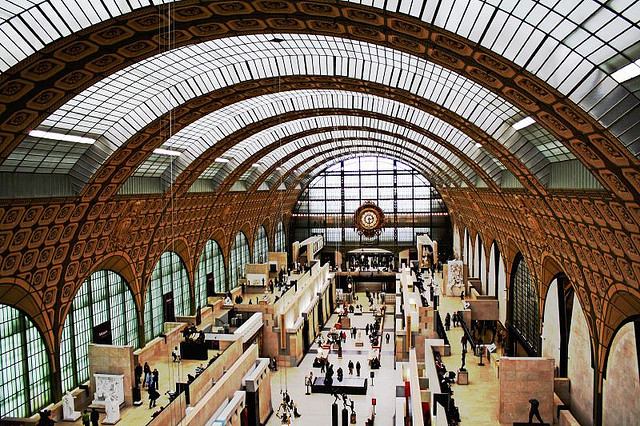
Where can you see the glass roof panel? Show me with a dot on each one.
(242, 151)
(592, 35)
(122, 103)
(320, 160)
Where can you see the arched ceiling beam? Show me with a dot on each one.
(375, 137)
(324, 155)
(206, 132)
(295, 165)
(196, 168)
(311, 132)
(127, 159)
(111, 47)
(309, 151)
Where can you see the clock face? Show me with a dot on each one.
(369, 219)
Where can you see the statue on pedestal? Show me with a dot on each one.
(69, 412)
(112, 410)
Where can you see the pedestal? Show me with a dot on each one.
(463, 377)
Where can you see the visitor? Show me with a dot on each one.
(534, 411)
(156, 378)
(138, 374)
(358, 368)
(295, 411)
(464, 341)
(350, 366)
(387, 337)
(94, 417)
(147, 375)
(454, 319)
(153, 398)
(45, 418)
(176, 354)
(367, 329)
(340, 374)
(447, 321)
(86, 418)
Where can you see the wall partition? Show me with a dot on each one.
(104, 304)
(25, 374)
(239, 258)
(260, 246)
(211, 265)
(167, 295)
(411, 205)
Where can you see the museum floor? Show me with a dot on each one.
(316, 408)
(477, 402)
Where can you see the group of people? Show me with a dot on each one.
(150, 381)
(456, 318)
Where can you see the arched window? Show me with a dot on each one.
(25, 375)
(281, 238)
(260, 246)
(524, 302)
(103, 299)
(211, 264)
(239, 258)
(169, 287)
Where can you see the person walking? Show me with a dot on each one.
(387, 337)
(358, 368)
(447, 321)
(350, 366)
(147, 375)
(94, 417)
(366, 329)
(153, 397)
(534, 411)
(464, 341)
(156, 378)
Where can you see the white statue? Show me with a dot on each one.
(112, 410)
(69, 412)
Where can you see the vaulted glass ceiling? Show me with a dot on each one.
(287, 157)
(574, 45)
(272, 136)
(589, 39)
(123, 103)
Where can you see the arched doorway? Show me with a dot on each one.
(524, 321)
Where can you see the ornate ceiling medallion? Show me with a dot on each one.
(369, 220)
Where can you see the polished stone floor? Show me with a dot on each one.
(477, 402)
(316, 408)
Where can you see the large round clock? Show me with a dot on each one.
(369, 219)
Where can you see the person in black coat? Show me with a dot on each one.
(138, 373)
(95, 416)
(153, 397)
(156, 378)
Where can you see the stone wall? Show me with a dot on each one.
(522, 379)
(621, 387)
(580, 370)
(551, 325)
